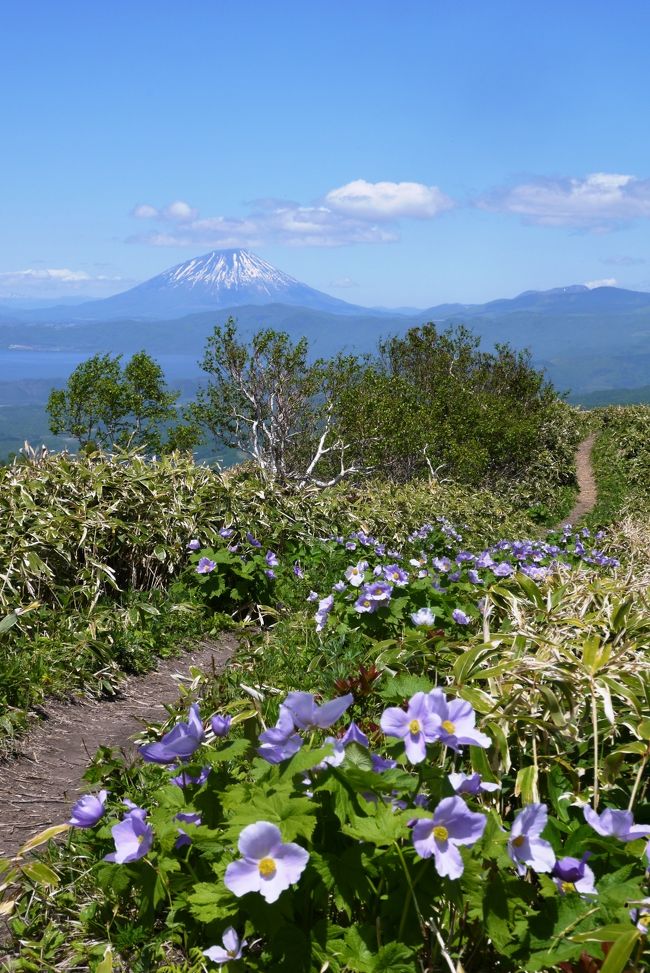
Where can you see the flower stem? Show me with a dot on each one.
(594, 724)
(638, 779)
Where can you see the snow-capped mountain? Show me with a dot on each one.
(219, 279)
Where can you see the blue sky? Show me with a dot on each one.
(389, 153)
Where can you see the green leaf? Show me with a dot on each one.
(381, 829)
(526, 784)
(620, 952)
(604, 934)
(211, 900)
(40, 873)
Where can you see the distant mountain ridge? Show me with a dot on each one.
(587, 339)
(221, 278)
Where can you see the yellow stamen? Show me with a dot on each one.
(518, 841)
(267, 868)
(440, 833)
(568, 887)
(448, 726)
(414, 726)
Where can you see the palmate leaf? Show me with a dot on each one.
(294, 816)
(211, 900)
(382, 828)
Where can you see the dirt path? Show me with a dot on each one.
(587, 493)
(38, 787)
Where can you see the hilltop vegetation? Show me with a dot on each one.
(487, 836)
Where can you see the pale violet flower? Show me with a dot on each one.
(268, 865)
(617, 824)
(194, 545)
(355, 573)
(308, 715)
(423, 617)
(471, 784)
(231, 948)
(574, 875)
(179, 743)
(525, 846)
(396, 575)
(280, 742)
(133, 838)
(88, 810)
(416, 727)
(457, 722)
(205, 565)
(452, 824)
(459, 616)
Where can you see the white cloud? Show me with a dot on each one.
(388, 200)
(145, 212)
(605, 282)
(600, 202)
(53, 281)
(360, 212)
(623, 261)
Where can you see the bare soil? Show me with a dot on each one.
(39, 785)
(587, 493)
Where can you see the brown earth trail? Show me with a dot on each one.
(587, 492)
(39, 786)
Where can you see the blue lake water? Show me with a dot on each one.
(18, 365)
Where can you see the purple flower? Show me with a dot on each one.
(471, 784)
(452, 824)
(441, 563)
(297, 570)
(336, 758)
(226, 532)
(271, 559)
(252, 539)
(281, 741)
(308, 715)
(179, 744)
(473, 576)
(312, 596)
(503, 570)
(354, 735)
(484, 560)
(183, 837)
(396, 575)
(365, 604)
(416, 727)
(617, 824)
(231, 948)
(574, 875)
(423, 617)
(379, 591)
(194, 545)
(525, 846)
(133, 838)
(350, 546)
(457, 722)
(184, 779)
(221, 725)
(339, 586)
(460, 617)
(268, 866)
(380, 764)
(325, 606)
(88, 810)
(270, 573)
(205, 565)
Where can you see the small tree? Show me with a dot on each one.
(110, 406)
(268, 401)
